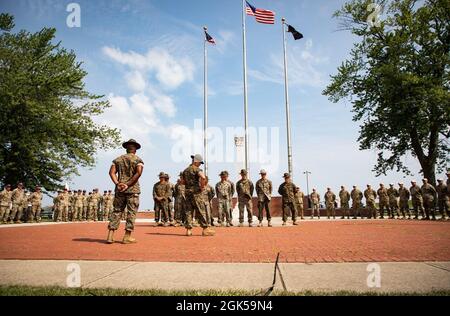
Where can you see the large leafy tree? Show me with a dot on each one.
(47, 131)
(397, 78)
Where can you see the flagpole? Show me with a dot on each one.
(244, 48)
(286, 95)
(205, 104)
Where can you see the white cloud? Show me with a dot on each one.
(136, 81)
(169, 71)
(163, 103)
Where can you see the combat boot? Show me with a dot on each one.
(241, 224)
(260, 224)
(127, 239)
(250, 225)
(110, 239)
(284, 223)
(208, 232)
(188, 232)
(295, 223)
(269, 224)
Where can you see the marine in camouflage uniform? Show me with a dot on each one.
(78, 206)
(287, 191)
(85, 206)
(330, 200)
(393, 201)
(17, 198)
(208, 194)
(357, 197)
(371, 196)
(383, 199)
(125, 173)
(180, 202)
(170, 199)
(344, 198)
(429, 198)
(443, 199)
(417, 199)
(404, 194)
(233, 190)
(245, 189)
(58, 202)
(264, 193)
(108, 206)
(5, 203)
(223, 192)
(93, 202)
(161, 192)
(36, 200)
(315, 203)
(64, 205)
(299, 197)
(195, 181)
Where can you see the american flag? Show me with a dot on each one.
(209, 38)
(261, 15)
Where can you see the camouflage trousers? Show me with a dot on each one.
(393, 209)
(345, 208)
(356, 206)
(428, 204)
(289, 208)
(331, 210)
(300, 210)
(84, 215)
(418, 207)
(77, 213)
(383, 208)
(444, 207)
(224, 211)
(315, 210)
(404, 208)
(196, 204)
(16, 212)
(92, 212)
(265, 204)
(161, 211)
(64, 213)
(179, 214)
(107, 211)
(4, 213)
(35, 213)
(122, 201)
(371, 210)
(245, 203)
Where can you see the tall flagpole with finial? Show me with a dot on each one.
(244, 48)
(205, 103)
(286, 96)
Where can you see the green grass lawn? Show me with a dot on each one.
(59, 291)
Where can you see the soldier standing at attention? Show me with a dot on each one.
(64, 205)
(357, 197)
(17, 197)
(93, 201)
(330, 199)
(195, 182)
(109, 206)
(344, 198)
(85, 206)
(245, 189)
(170, 199)
(5, 201)
(233, 190)
(383, 200)
(78, 206)
(299, 197)
(370, 196)
(180, 202)
(125, 173)
(35, 199)
(160, 196)
(287, 191)
(403, 194)
(103, 201)
(223, 192)
(208, 195)
(315, 201)
(393, 201)
(429, 197)
(58, 205)
(71, 208)
(443, 199)
(264, 193)
(417, 199)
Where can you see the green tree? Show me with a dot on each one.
(397, 78)
(47, 131)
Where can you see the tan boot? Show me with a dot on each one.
(127, 239)
(110, 239)
(208, 232)
(189, 232)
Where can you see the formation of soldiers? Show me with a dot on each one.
(76, 206)
(392, 202)
(18, 205)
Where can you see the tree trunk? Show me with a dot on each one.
(429, 170)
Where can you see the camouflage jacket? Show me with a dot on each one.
(162, 191)
(287, 192)
(17, 196)
(356, 195)
(5, 198)
(35, 199)
(441, 190)
(264, 189)
(403, 193)
(126, 167)
(344, 196)
(315, 198)
(383, 195)
(329, 197)
(224, 190)
(416, 193)
(245, 188)
(370, 195)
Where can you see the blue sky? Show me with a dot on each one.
(146, 57)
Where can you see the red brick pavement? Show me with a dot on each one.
(325, 241)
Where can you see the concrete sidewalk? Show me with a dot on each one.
(395, 277)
